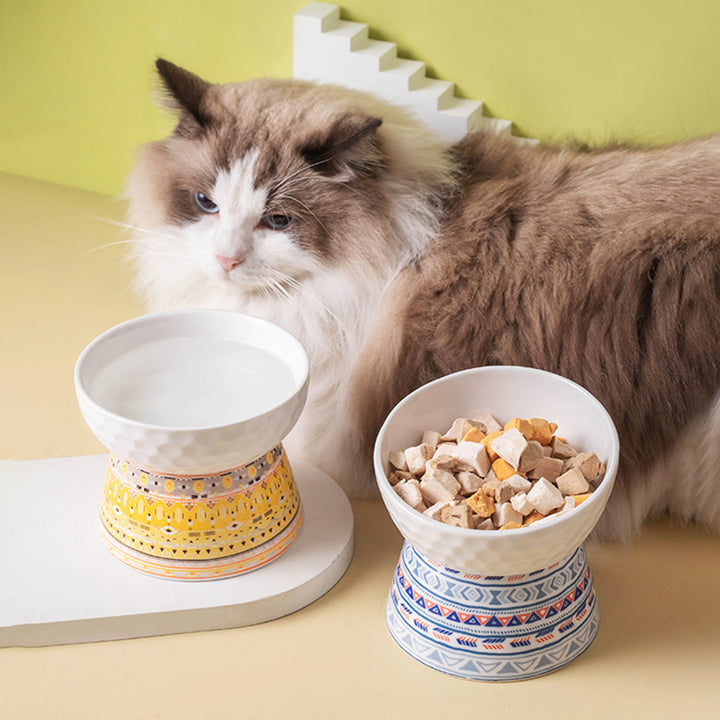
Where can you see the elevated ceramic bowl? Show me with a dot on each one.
(505, 392)
(491, 604)
(121, 361)
(193, 406)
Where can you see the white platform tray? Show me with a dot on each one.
(58, 583)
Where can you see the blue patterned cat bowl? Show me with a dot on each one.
(496, 604)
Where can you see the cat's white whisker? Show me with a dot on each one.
(105, 247)
(292, 282)
(275, 286)
(265, 291)
(127, 226)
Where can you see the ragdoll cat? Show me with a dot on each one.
(396, 259)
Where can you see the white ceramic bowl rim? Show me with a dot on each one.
(300, 365)
(538, 527)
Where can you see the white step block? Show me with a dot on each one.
(359, 69)
(497, 125)
(377, 55)
(331, 50)
(309, 50)
(449, 127)
(433, 94)
(459, 118)
(402, 76)
(317, 17)
(472, 110)
(348, 36)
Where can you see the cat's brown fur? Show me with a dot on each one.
(603, 267)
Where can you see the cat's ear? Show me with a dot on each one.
(185, 92)
(347, 149)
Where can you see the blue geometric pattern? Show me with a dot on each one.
(492, 628)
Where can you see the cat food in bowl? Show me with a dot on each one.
(193, 406)
(482, 474)
(494, 604)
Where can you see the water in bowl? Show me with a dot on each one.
(185, 382)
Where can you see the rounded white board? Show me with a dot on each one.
(65, 587)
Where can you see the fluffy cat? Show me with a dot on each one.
(396, 259)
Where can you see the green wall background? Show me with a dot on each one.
(76, 75)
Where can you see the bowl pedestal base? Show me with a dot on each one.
(201, 527)
(492, 628)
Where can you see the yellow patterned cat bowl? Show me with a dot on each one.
(193, 406)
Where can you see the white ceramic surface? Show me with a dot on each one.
(237, 437)
(506, 392)
(66, 587)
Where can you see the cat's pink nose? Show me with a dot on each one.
(228, 263)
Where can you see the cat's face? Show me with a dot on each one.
(259, 182)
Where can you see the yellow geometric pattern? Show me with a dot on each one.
(201, 528)
(207, 569)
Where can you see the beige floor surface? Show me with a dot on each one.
(63, 281)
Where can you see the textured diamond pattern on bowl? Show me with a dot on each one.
(191, 450)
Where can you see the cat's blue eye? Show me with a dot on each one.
(277, 222)
(205, 203)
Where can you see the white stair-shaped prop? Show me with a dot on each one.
(331, 50)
